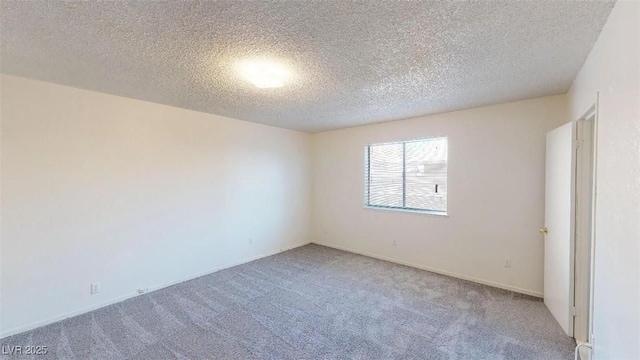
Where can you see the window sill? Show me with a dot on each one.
(414, 212)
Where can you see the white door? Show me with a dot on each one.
(558, 261)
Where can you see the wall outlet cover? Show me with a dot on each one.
(95, 288)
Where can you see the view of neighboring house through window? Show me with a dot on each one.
(409, 175)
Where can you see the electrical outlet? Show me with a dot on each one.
(95, 288)
(143, 290)
(507, 263)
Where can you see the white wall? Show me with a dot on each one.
(495, 185)
(131, 194)
(613, 69)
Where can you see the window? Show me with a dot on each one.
(409, 175)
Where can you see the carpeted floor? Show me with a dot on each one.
(312, 302)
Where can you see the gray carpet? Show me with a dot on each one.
(312, 302)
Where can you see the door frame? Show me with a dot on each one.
(583, 263)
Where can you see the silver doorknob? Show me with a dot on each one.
(543, 230)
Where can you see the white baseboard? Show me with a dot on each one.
(118, 299)
(438, 271)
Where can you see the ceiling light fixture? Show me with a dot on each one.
(263, 73)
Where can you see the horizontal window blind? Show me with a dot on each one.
(408, 175)
(386, 175)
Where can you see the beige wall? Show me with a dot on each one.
(613, 70)
(495, 189)
(131, 194)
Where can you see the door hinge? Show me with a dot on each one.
(573, 310)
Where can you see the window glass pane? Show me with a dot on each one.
(385, 175)
(426, 175)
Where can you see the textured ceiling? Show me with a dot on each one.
(353, 63)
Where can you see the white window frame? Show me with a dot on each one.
(444, 213)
